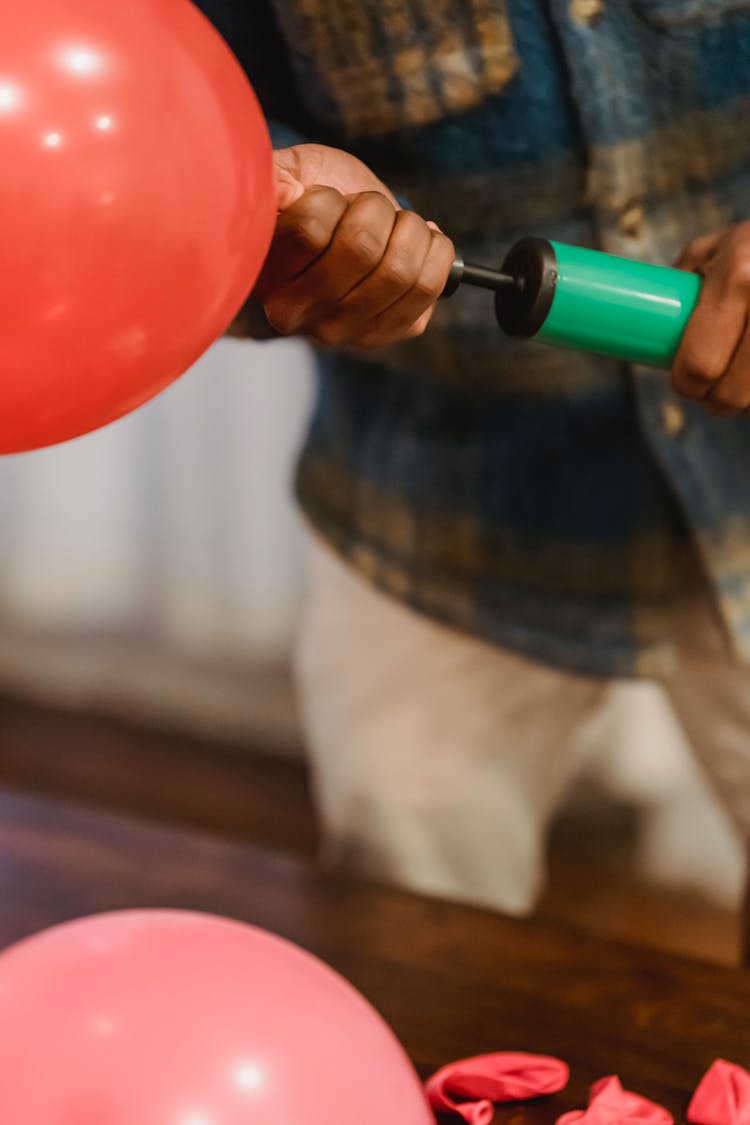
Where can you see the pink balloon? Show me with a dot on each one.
(173, 1018)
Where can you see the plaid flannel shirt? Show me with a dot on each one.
(548, 502)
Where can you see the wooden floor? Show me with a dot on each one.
(266, 800)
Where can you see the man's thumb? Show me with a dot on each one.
(289, 186)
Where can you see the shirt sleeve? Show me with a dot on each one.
(250, 29)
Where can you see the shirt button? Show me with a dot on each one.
(586, 11)
(673, 418)
(631, 220)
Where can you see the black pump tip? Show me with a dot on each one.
(479, 276)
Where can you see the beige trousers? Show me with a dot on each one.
(439, 760)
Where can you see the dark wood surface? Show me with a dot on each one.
(251, 797)
(452, 981)
(134, 768)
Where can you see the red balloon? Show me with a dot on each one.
(172, 1018)
(136, 206)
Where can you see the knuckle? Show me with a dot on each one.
(428, 287)
(374, 199)
(311, 233)
(417, 329)
(741, 267)
(365, 248)
(398, 270)
(410, 225)
(313, 219)
(445, 246)
(320, 193)
(683, 385)
(409, 221)
(699, 368)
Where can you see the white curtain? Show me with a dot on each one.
(156, 564)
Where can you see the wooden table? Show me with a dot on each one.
(451, 981)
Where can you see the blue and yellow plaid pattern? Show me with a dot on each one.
(545, 501)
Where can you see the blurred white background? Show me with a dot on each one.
(155, 569)
(156, 565)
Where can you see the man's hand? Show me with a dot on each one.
(713, 361)
(347, 266)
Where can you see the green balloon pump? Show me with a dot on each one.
(573, 297)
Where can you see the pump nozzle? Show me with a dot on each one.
(480, 276)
